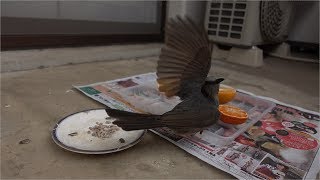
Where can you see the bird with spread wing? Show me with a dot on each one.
(182, 70)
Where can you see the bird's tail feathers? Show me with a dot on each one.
(134, 121)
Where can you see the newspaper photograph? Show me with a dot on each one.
(279, 142)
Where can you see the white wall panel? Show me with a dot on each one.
(120, 11)
(29, 9)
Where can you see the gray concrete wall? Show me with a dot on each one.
(193, 9)
(305, 22)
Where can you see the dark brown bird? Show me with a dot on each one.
(182, 70)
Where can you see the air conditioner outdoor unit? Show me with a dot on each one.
(245, 24)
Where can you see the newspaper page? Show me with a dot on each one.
(282, 144)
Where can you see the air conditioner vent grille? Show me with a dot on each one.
(227, 5)
(227, 18)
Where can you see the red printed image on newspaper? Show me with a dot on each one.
(289, 135)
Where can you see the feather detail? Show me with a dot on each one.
(186, 56)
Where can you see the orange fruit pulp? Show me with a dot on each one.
(232, 115)
(226, 94)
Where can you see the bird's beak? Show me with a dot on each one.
(217, 81)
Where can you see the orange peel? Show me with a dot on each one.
(226, 94)
(232, 115)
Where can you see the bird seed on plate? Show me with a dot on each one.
(73, 134)
(122, 140)
(103, 131)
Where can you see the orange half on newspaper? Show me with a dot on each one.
(232, 115)
(226, 94)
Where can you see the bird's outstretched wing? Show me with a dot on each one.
(185, 59)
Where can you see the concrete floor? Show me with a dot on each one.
(33, 101)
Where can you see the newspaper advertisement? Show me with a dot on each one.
(282, 144)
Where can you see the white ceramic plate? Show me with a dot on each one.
(73, 134)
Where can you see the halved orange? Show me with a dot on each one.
(226, 94)
(232, 115)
